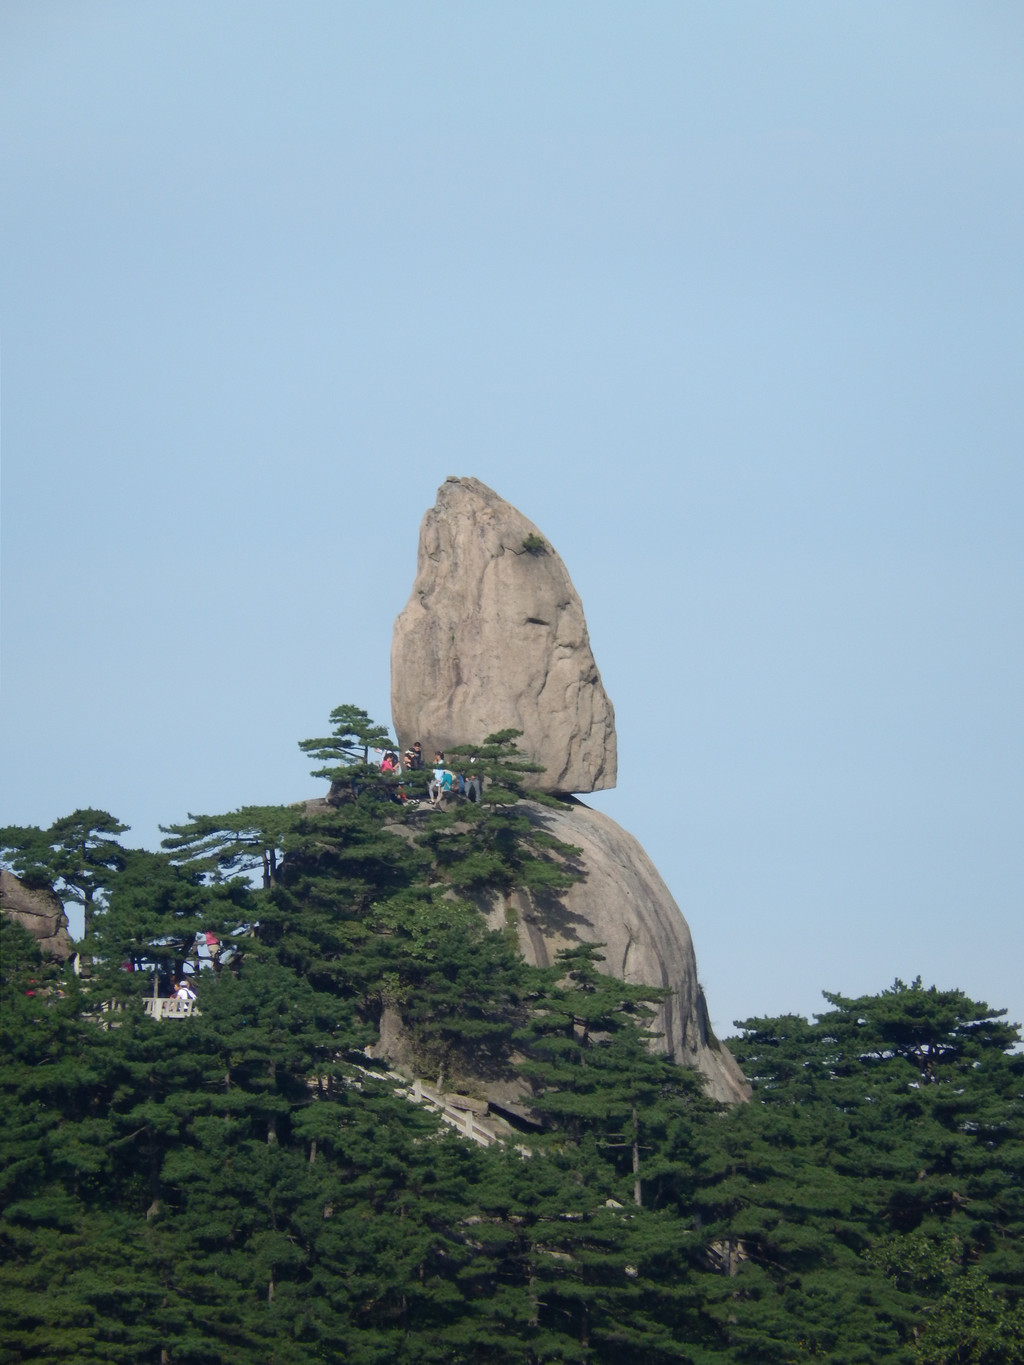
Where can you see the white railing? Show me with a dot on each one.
(169, 1009)
(463, 1120)
(156, 1008)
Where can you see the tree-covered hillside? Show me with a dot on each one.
(247, 1184)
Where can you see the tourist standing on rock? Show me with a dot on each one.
(416, 761)
(389, 764)
(434, 785)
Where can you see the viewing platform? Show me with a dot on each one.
(169, 1009)
(157, 1007)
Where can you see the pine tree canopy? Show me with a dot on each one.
(247, 1182)
(77, 856)
(348, 744)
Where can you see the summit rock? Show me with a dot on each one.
(492, 638)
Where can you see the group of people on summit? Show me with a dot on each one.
(442, 782)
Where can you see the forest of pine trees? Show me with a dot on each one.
(248, 1185)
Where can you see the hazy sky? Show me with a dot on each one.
(727, 298)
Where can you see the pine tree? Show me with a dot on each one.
(77, 857)
(891, 1116)
(589, 1055)
(345, 752)
(246, 1185)
(252, 838)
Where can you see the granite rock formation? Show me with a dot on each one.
(41, 912)
(493, 638)
(624, 904)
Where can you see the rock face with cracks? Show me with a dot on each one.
(494, 638)
(623, 904)
(40, 912)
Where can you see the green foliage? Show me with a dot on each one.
(154, 916)
(494, 843)
(588, 1052)
(972, 1325)
(236, 844)
(348, 745)
(870, 1172)
(502, 766)
(462, 995)
(19, 954)
(247, 1185)
(77, 857)
(936, 1032)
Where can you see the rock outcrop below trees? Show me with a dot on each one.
(40, 911)
(623, 903)
(494, 638)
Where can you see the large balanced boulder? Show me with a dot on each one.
(623, 904)
(40, 911)
(494, 638)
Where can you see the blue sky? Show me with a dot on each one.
(727, 298)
